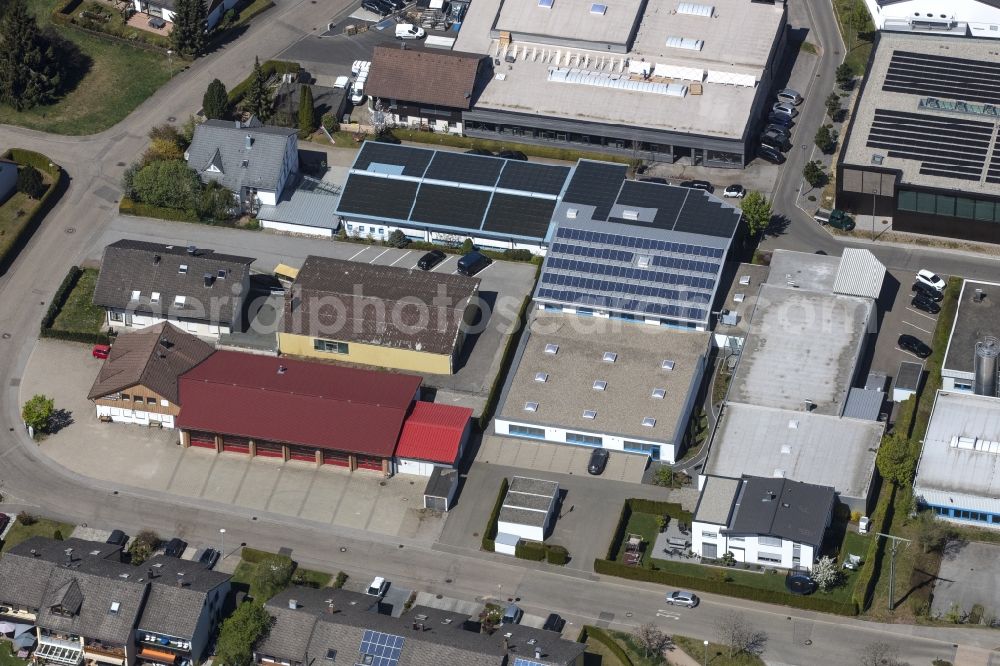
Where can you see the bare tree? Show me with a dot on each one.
(880, 654)
(652, 640)
(735, 632)
(380, 120)
(826, 574)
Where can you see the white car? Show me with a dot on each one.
(930, 279)
(358, 93)
(785, 109)
(342, 82)
(734, 192)
(409, 31)
(377, 587)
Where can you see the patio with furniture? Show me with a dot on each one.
(674, 543)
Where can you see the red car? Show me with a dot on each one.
(101, 351)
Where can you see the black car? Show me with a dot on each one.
(554, 623)
(513, 155)
(772, 155)
(175, 547)
(479, 151)
(775, 140)
(780, 119)
(209, 557)
(117, 538)
(913, 345)
(927, 291)
(430, 260)
(921, 302)
(598, 461)
(779, 129)
(658, 181)
(4, 520)
(472, 263)
(379, 7)
(698, 185)
(396, 4)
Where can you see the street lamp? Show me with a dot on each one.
(874, 192)
(706, 653)
(222, 533)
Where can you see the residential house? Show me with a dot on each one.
(8, 179)
(765, 521)
(384, 316)
(138, 381)
(425, 87)
(251, 160)
(201, 291)
(166, 9)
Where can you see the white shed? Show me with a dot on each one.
(526, 513)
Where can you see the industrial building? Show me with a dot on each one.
(955, 18)
(970, 362)
(663, 82)
(920, 146)
(958, 474)
(527, 512)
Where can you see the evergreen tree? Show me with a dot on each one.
(190, 20)
(215, 103)
(307, 112)
(258, 100)
(29, 65)
(29, 181)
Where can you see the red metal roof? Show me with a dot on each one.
(311, 404)
(433, 432)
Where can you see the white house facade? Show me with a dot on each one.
(970, 18)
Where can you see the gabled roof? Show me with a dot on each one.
(425, 76)
(68, 598)
(297, 402)
(433, 432)
(224, 144)
(152, 357)
(168, 272)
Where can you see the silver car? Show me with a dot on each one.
(789, 96)
(785, 108)
(682, 598)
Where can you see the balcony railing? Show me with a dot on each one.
(104, 650)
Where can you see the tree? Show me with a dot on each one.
(826, 139)
(215, 202)
(845, 76)
(833, 105)
(240, 634)
(215, 102)
(652, 640)
(932, 534)
(190, 22)
(895, 461)
(30, 71)
(467, 246)
(736, 633)
(259, 100)
(756, 212)
(271, 575)
(29, 181)
(143, 546)
(814, 174)
(170, 184)
(826, 573)
(880, 654)
(37, 412)
(307, 112)
(128, 180)
(398, 239)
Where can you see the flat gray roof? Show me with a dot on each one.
(908, 377)
(813, 272)
(517, 516)
(973, 321)
(569, 19)
(736, 43)
(311, 203)
(803, 345)
(716, 501)
(524, 484)
(961, 468)
(810, 447)
(876, 97)
(627, 398)
(741, 298)
(517, 500)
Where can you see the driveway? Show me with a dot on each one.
(558, 458)
(969, 575)
(152, 459)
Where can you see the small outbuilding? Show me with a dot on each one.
(439, 494)
(907, 381)
(527, 512)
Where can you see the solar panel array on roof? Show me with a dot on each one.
(521, 216)
(378, 197)
(413, 160)
(450, 206)
(379, 649)
(529, 177)
(596, 184)
(945, 146)
(462, 168)
(943, 76)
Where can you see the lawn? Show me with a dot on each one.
(7, 657)
(79, 312)
(551, 152)
(119, 78)
(644, 524)
(248, 576)
(41, 527)
(857, 30)
(14, 214)
(597, 654)
(718, 655)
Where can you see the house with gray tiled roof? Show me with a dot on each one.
(86, 604)
(253, 161)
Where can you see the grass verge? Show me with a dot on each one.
(456, 141)
(40, 527)
(857, 30)
(718, 655)
(79, 313)
(7, 657)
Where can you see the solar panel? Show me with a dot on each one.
(943, 76)
(462, 168)
(380, 649)
(413, 160)
(450, 206)
(596, 184)
(377, 197)
(529, 177)
(522, 661)
(519, 216)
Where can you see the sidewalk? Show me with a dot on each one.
(678, 657)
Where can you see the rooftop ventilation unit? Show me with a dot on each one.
(744, 280)
(589, 414)
(154, 297)
(541, 377)
(600, 385)
(786, 449)
(156, 259)
(115, 606)
(545, 4)
(667, 365)
(209, 279)
(192, 250)
(739, 298)
(610, 357)
(779, 473)
(648, 422)
(571, 213)
(182, 269)
(551, 348)
(659, 393)
(282, 369)
(877, 159)
(597, 9)
(695, 9)
(643, 261)
(630, 214)
(793, 425)
(531, 406)
(685, 43)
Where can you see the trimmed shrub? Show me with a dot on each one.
(254, 556)
(605, 639)
(55, 307)
(45, 203)
(270, 67)
(530, 550)
(518, 255)
(555, 554)
(490, 534)
(619, 534)
(339, 581)
(139, 209)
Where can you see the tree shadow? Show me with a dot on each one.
(777, 226)
(60, 419)
(74, 63)
(225, 38)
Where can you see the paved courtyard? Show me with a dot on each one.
(969, 575)
(559, 458)
(153, 459)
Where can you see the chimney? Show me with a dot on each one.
(293, 604)
(414, 625)
(282, 369)
(34, 553)
(421, 625)
(192, 250)
(538, 652)
(209, 279)
(152, 573)
(506, 645)
(249, 143)
(238, 123)
(156, 259)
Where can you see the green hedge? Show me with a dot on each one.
(490, 533)
(31, 158)
(605, 639)
(530, 550)
(555, 554)
(62, 293)
(816, 603)
(255, 9)
(505, 360)
(619, 534)
(270, 67)
(254, 556)
(339, 581)
(636, 505)
(129, 207)
(67, 15)
(45, 203)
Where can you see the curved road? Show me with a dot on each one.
(30, 480)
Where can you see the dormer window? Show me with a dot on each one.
(154, 297)
(179, 301)
(135, 295)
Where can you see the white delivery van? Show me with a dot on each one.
(357, 92)
(409, 31)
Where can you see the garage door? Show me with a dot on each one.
(235, 444)
(335, 458)
(415, 467)
(370, 462)
(203, 440)
(302, 453)
(269, 450)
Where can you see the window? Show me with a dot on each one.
(164, 403)
(150, 401)
(610, 357)
(907, 200)
(768, 541)
(945, 205)
(135, 295)
(126, 397)
(525, 431)
(541, 377)
(179, 301)
(736, 539)
(331, 655)
(769, 557)
(551, 349)
(183, 269)
(137, 399)
(590, 414)
(705, 534)
(330, 347)
(659, 393)
(965, 208)
(531, 406)
(600, 385)
(667, 365)
(984, 211)
(649, 422)
(926, 202)
(586, 440)
(116, 316)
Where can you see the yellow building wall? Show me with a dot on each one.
(383, 357)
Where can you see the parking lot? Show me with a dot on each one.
(969, 575)
(559, 458)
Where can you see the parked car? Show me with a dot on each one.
(513, 155)
(377, 587)
(779, 129)
(931, 279)
(772, 155)
(864, 525)
(357, 92)
(840, 220)
(100, 351)
(914, 345)
(480, 151)
(775, 140)
(734, 191)
(780, 119)
(342, 82)
(409, 31)
(698, 185)
(658, 181)
(377, 7)
(4, 521)
(175, 547)
(209, 557)
(512, 615)
(789, 96)
(554, 623)
(921, 302)
(472, 263)
(598, 461)
(783, 108)
(117, 538)
(927, 292)
(682, 598)
(430, 260)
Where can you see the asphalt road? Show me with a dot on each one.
(30, 480)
